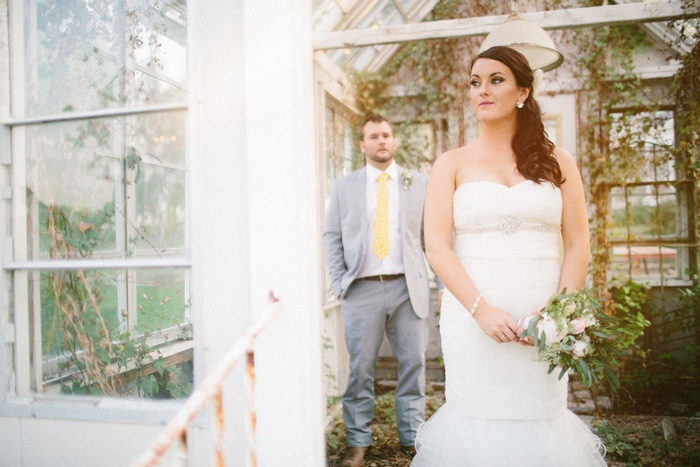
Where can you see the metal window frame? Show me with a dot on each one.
(683, 235)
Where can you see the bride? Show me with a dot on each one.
(506, 227)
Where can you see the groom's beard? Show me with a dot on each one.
(382, 155)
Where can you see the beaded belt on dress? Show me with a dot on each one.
(509, 226)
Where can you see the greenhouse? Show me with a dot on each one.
(167, 170)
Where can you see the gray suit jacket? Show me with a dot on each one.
(345, 234)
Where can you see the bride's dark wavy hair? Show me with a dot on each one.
(534, 152)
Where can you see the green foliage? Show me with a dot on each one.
(654, 373)
(616, 444)
(631, 307)
(686, 89)
(370, 91)
(630, 445)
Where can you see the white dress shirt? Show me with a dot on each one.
(393, 262)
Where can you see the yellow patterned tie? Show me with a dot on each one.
(380, 243)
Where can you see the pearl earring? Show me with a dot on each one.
(519, 105)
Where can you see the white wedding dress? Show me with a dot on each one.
(502, 408)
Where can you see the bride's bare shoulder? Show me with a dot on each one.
(455, 158)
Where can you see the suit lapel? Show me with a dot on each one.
(359, 195)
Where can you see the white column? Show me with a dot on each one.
(221, 306)
(282, 189)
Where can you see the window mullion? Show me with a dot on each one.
(20, 284)
(35, 290)
(19, 253)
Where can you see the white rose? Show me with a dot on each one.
(589, 320)
(551, 330)
(569, 308)
(581, 348)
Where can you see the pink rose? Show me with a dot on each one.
(551, 330)
(577, 326)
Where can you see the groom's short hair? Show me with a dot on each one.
(373, 117)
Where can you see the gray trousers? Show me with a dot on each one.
(371, 308)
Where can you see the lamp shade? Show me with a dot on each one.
(528, 39)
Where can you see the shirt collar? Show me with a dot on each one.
(392, 171)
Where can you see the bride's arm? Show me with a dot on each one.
(439, 224)
(574, 225)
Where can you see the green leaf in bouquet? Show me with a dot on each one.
(543, 340)
(603, 335)
(532, 326)
(532, 329)
(610, 376)
(603, 318)
(552, 366)
(563, 371)
(588, 379)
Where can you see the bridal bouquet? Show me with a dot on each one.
(572, 332)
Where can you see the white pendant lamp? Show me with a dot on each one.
(527, 38)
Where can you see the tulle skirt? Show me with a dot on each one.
(452, 439)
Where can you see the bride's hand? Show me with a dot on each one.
(528, 340)
(497, 324)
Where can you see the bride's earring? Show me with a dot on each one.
(519, 105)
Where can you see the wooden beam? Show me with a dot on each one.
(571, 18)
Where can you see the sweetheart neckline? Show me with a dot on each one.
(493, 183)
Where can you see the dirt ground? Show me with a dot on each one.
(639, 440)
(631, 440)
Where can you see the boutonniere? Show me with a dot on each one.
(407, 179)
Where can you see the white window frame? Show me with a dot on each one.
(16, 399)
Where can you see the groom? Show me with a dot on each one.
(374, 251)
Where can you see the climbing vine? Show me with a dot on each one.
(607, 86)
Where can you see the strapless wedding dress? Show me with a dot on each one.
(502, 408)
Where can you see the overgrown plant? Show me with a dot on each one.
(607, 86)
(91, 350)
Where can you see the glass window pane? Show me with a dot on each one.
(339, 145)
(159, 183)
(103, 53)
(73, 180)
(648, 212)
(645, 141)
(97, 340)
(94, 193)
(552, 125)
(648, 263)
(162, 301)
(383, 14)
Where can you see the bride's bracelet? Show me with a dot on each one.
(476, 303)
